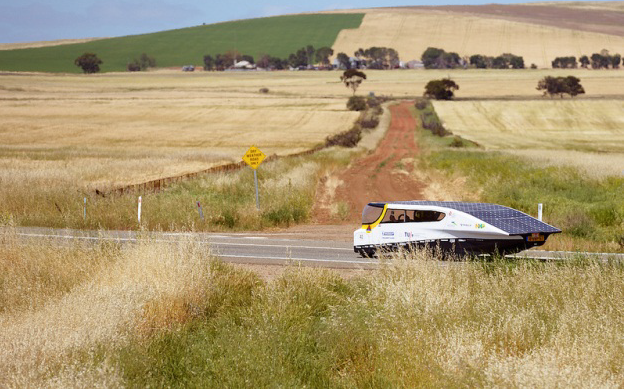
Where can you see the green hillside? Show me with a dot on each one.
(278, 36)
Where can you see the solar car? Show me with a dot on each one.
(451, 227)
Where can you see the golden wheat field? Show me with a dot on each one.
(608, 5)
(113, 129)
(584, 133)
(126, 128)
(58, 42)
(411, 31)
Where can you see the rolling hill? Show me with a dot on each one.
(278, 36)
(538, 31)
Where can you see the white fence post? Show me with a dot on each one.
(139, 209)
(539, 211)
(84, 214)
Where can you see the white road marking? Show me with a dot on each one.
(172, 241)
(527, 254)
(298, 259)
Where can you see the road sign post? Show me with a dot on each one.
(254, 157)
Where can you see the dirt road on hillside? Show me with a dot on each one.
(383, 175)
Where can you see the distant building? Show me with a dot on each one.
(242, 65)
(414, 64)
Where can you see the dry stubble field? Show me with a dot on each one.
(112, 129)
(411, 30)
(119, 128)
(62, 136)
(588, 134)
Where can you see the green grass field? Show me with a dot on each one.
(277, 36)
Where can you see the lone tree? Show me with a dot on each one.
(441, 89)
(89, 62)
(560, 86)
(352, 78)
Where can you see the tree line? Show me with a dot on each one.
(602, 60)
(435, 58)
(305, 57)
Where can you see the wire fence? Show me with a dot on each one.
(155, 186)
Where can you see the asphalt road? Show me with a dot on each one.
(261, 248)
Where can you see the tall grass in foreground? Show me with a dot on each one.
(286, 190)
(412, 323)
(167, 315)
(59, 305)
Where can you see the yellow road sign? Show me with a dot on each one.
(253, 157)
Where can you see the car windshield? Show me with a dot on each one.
(371, 213)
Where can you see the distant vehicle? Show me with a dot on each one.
(188, 68)
(452, 227)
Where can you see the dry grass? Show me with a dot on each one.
(522, 326)
(29, 45)
(114, 129)
(154, 313)
(607, 5)
(410, 32)
(132, 128)
(594, 164)
(115, 298)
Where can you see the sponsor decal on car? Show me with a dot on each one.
(409, 234)
(387, 235)
(479, 225)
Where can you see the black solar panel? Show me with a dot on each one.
(507, 219)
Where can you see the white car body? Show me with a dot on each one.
(450, 225)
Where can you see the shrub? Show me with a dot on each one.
(133, 66)
(369, 122)
(457, 142)
(373, 102)
(349, 138)
(356, 103)
(441, 89)
(431, 122)
(421, 104)
(264, 90)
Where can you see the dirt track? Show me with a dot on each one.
(382, 175)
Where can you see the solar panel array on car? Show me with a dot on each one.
(507, 219)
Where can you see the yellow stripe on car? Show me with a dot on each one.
(369, 227)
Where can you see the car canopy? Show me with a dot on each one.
(507, 219)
